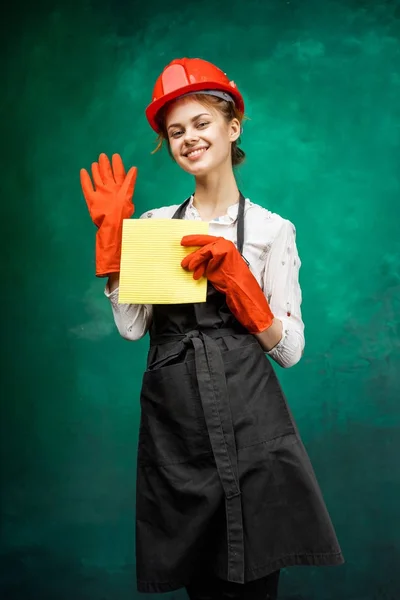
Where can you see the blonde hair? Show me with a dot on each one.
(228, 111)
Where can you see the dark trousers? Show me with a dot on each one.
(211, 588)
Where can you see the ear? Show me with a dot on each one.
(234, 130)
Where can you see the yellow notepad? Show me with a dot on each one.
(151, 256)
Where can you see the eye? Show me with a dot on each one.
(176, 134)
(203, 124)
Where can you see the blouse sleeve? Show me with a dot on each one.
(132, 320)
(280, 282)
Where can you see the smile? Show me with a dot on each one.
(195, 153)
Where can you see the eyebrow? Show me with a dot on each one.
(193, 119)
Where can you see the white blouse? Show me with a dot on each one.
(270, 248)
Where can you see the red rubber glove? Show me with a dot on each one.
(109, 203)
(220, 261)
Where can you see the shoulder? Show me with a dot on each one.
(165, 212)
(265, 223)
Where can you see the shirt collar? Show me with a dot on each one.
(229, 217)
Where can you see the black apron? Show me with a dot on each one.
(224, 482)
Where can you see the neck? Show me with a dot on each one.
(215, 193)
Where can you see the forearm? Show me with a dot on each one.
(289, 349)
(132, 320)
(269, 338)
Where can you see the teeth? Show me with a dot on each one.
(195, 152)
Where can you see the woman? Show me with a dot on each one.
(226, 494)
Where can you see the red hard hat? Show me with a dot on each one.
(185, 75)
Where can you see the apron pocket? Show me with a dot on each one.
(173, 428)
(258, 405)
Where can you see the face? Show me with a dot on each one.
(199, 137)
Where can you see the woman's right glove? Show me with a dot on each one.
(109, 202)
(221, 263)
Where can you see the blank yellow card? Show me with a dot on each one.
(151, 256)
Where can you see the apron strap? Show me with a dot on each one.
(180, 212)
(240, 224)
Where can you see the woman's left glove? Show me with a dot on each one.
(220, 262)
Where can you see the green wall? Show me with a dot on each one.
(322, 81)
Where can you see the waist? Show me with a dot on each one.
(167, 338)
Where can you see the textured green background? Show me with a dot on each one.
(322, 81)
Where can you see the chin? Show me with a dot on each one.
(199, 168)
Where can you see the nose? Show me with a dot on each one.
(191, 136)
